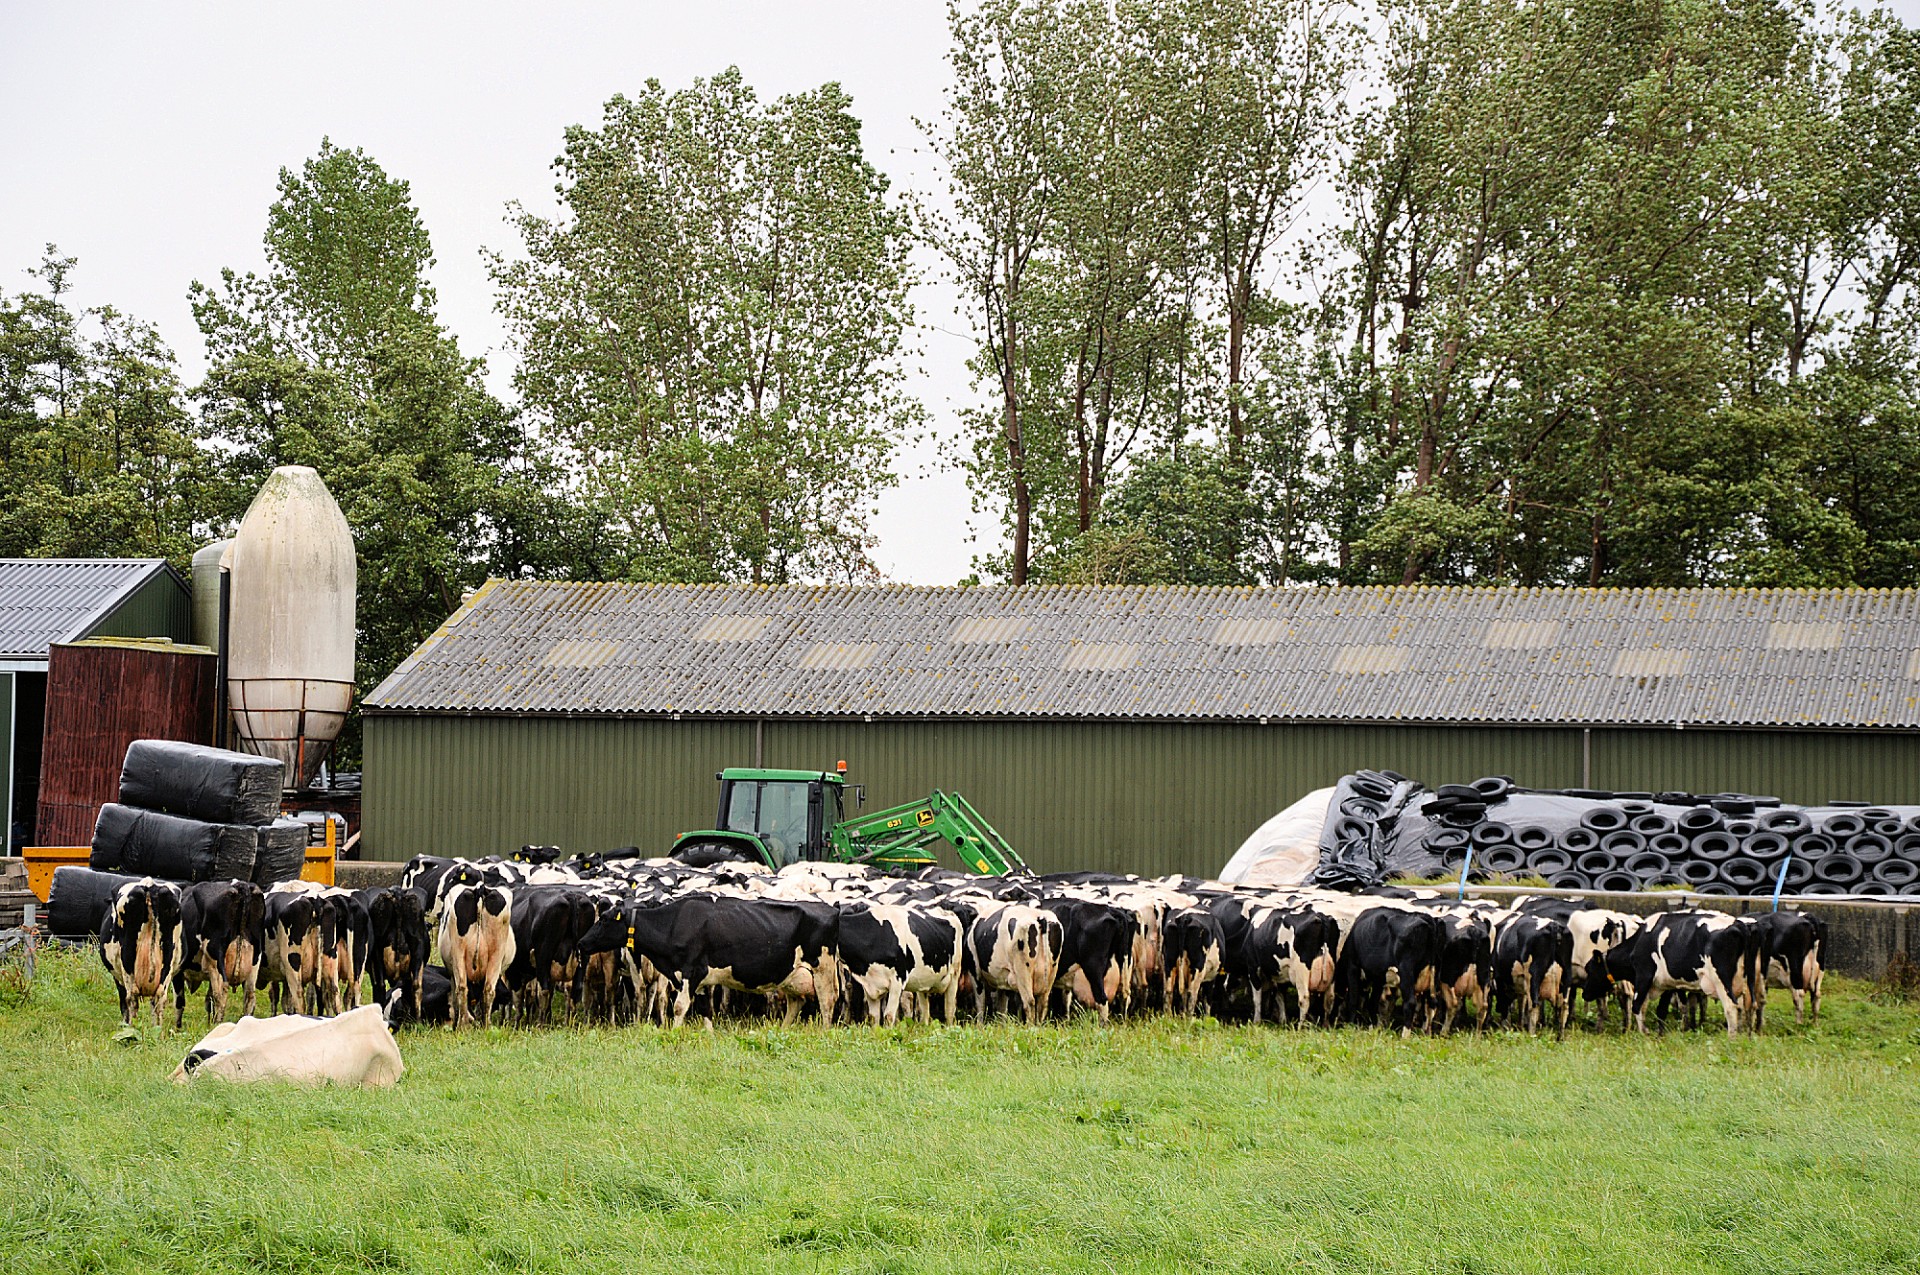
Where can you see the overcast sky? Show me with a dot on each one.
(145, 139)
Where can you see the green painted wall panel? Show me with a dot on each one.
(6, 758)
(159, 608)
(1133, 797)
(1804, 767)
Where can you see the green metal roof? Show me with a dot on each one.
(1658, 657)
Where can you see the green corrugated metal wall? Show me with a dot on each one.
(6, 758)
(1144, 798)
(159, 608)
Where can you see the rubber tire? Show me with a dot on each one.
(1715, 847)
(1799, 872)
(1813, 845)
(1743, 874)
(1767, 847)
(1443, 838)
(1874, 889)
(1531, 836)
(1362, 808)
(1788, 823)
(1501, 858)
(1840, 827)
(1870, 849)
(1575, 840)
(1734, 804)
(1653, 825)
(1492, 833)
(1671, 844)
(1464, 792)
(1617, 882)
(1604, 819)
(1571, 881)
(1595, 862)
(1839, 868)
(1701, 819)
(1698, 871)
(1493, 788)
(1824, 889)
(1623, 843)
(1896, 872)
(1718, 889)
(1740, 827)
(1648, 864)
(1549, 861)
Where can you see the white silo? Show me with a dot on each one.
(206, 594)
(290, 622)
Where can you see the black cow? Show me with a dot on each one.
(142, 944)
(397, 941)
(548, 923)
(1192, 951)
(224, 929)
(1532, 968)
(1389, 954)
(436, 999)
(1096, 947)
(1793, 946)
(1466, 966)
(697, 942)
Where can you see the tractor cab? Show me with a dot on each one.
(776, 817)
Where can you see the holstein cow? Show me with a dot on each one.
(1596, 932)
(1465, 965)
(1389, 955)
(1707, 952)
(476, 942)
(1793, 944)
(296, 923)
(1192, 948)
(891, 951)
(1289, 949)
(1013, 949)
(224, 924)
(1532, 962)
(548, 922)
(142, 944)
(398, 941)
(1096, 948)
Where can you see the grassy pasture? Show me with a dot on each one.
(1154, 1146)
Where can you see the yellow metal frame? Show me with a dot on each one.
(42, 860)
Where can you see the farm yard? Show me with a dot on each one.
(1149, 1145)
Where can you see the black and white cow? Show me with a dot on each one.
(142, 944)
(296, 923)
(1532, 966)
(397, 943)
(1096, 949)
(1289, 949)
(1793, 946)
(1193, 949)
(1465, 970)
(1013, 950)
(477, 946)
(1710, 953)
(224, 924)
(1390, 954)
(892, 951)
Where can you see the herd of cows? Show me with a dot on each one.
(612, 939)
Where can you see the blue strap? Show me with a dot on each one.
(1780, 882)
(1465, 866)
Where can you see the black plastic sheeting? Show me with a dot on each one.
(282, 851)
(197, 782)
(1381, 825)
(149, 843)
(79, 899)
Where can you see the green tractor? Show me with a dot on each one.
(778, 817)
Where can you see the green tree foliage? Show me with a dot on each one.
(334, 358)
(1122, 176)
(98, 455)
(711, 329)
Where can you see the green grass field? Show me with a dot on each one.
(1155, 1146)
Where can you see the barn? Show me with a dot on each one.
(1138, 729)
(50, 601)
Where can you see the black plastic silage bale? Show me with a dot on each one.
(197, 782)
(78, 898)
(282, 851)
(149, 843)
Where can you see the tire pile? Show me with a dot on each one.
(191, 813)
(1579, 839)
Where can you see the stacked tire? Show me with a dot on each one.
(1727, 844)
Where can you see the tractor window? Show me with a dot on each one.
(774, 811)
(743, 807)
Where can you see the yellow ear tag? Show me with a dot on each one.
(629, 931)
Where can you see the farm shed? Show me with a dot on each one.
(44, 601)
(1138, 729)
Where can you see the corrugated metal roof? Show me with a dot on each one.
(48, 600)
(1763, 657)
